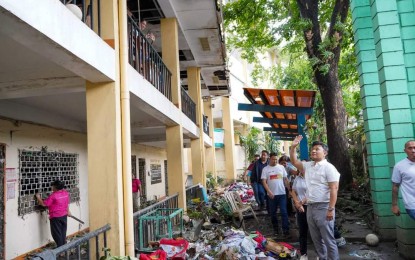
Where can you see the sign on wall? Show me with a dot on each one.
(155, 170)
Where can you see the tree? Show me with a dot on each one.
(250, 142)
(318, 28)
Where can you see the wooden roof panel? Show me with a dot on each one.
(284, 98)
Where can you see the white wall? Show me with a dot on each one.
(239, 161)
(151, 155)
(32, 231)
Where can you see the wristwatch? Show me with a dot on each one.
(330, 208)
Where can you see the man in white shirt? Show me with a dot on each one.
(404, 176)
(274, 180)
(322, 180)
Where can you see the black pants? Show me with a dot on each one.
(303, 229)
(58, 229)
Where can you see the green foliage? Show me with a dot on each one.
(250, 142)
(270, 144)
(212, 182)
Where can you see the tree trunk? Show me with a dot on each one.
(336, 122)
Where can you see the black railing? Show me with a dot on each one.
(145, 59)
(170, 202)
(205, 125)
(89, 12)
(73, 249)
(188, 106)
(194, 192)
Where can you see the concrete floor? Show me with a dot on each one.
(355, 237)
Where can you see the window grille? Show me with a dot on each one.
(37, 171)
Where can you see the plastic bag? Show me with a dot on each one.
(159, 255)
(175, 249)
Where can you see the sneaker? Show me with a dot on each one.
(304, 257)
(340, 242)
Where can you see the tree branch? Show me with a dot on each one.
(309, 11)
(339, 14)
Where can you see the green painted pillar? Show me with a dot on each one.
(390, 26)
(378, 162)
(395, 97)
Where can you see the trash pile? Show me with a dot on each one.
(222, 243)
(244, 191)
(210, 235)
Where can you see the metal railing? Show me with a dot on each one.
(89, 12)
(145, 59)
(205, 125)
(188, 106)
(148, 232)
(72, 250)
(193, 192)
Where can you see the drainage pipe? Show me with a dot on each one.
(125, 129)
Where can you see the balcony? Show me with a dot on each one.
(188, 106)
(145, 59)
(86, 13)
(205, 125)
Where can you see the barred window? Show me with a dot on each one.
(37, 171)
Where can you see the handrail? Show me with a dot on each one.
(145, 59)
(194, 191)
(188, 105)
(167, 203)
(51, 254)
(205, 125)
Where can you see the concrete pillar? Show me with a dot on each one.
(175, 162)
(384, 36)
(210, 159)
(388, 25)
(174, 134)
(379, 171)
(105, 183)
(229, 140)
(170, 50)
(105, 187)
(197, 145)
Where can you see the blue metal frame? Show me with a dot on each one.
(303, 143)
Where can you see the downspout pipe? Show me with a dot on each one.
(125, 129)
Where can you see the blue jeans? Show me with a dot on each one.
(281, 202)
(259, 193)
(411, 213)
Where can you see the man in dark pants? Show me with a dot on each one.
(58, 205)
(256, 181)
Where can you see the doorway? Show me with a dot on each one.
(142, 176)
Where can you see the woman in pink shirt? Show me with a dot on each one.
(58, 205)
(136, 193)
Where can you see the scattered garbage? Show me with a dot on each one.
(365, 254)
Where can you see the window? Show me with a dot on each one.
(38, 169)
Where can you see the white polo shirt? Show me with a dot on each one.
(404, 174)
(275, 178)
(317, 177)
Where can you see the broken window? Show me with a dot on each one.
(37, 171)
